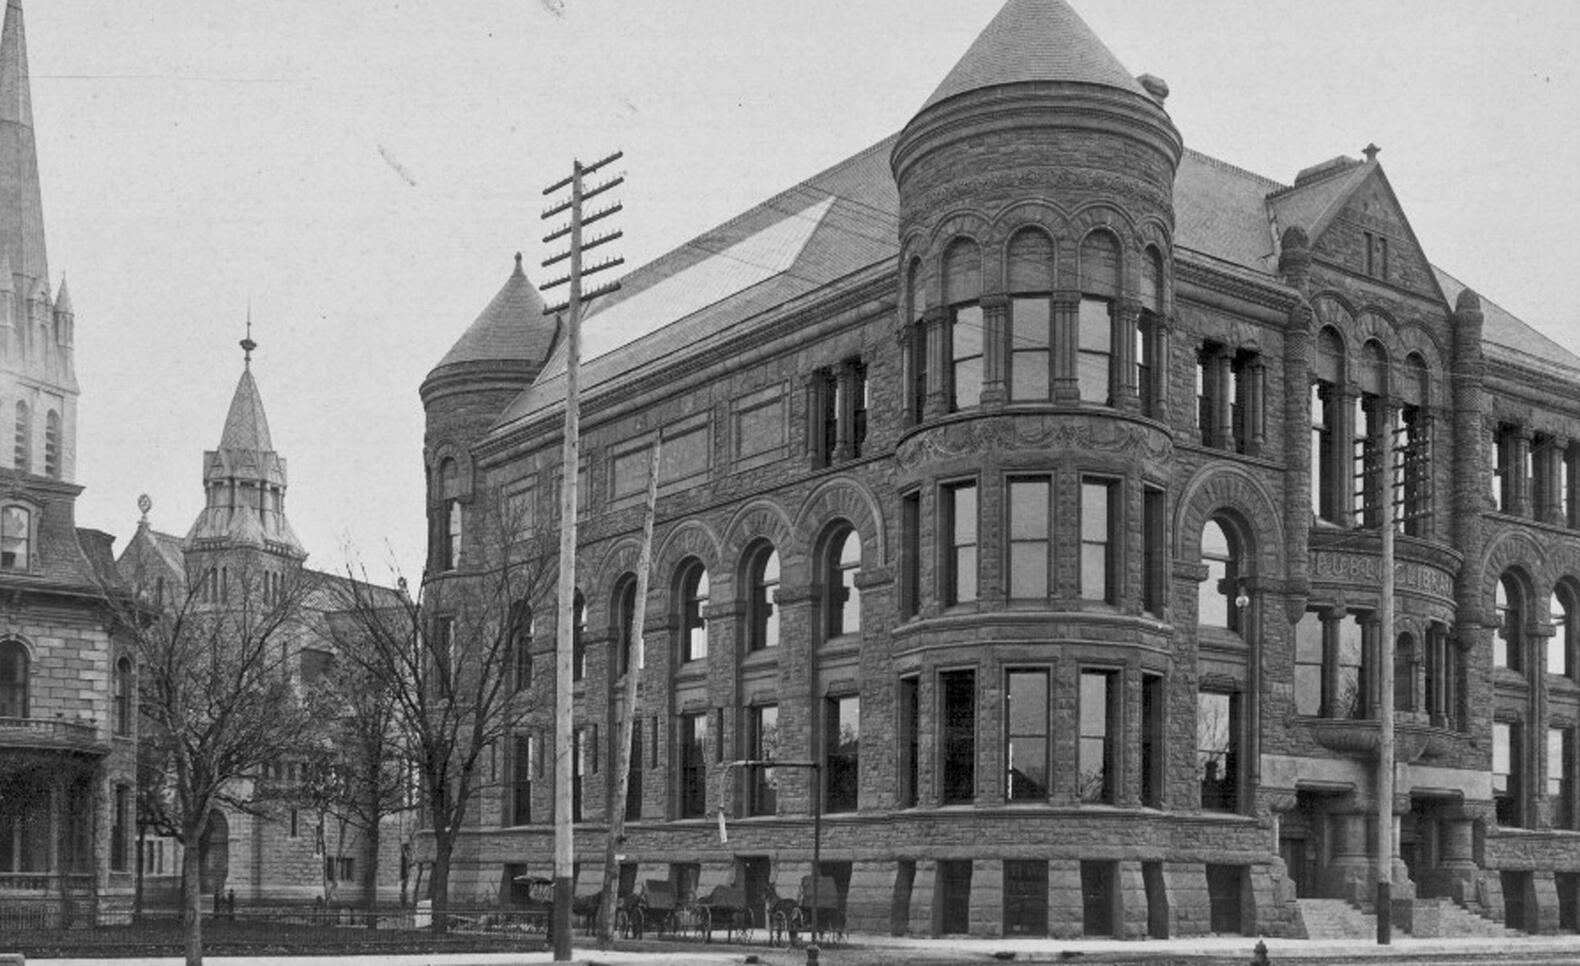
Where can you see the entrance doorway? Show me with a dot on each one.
(1025, 898)
(954, 897)
(754, 873)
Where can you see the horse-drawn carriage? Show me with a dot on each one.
(789, 919)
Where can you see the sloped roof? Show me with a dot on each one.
(21, 204)
(1035, 40)
(511, 328)
(1219, 212)
(1505, 337)
(246, 426)
(1314, 202)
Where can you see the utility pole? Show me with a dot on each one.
(560, 923)
(627, 713)
(1385, 684)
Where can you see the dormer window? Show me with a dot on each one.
(24, 438)
(15, 537)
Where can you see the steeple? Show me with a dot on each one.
(244, 478)
(21, 205)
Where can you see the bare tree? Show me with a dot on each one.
(217, 699)
(449, 660)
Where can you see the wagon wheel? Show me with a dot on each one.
(741, 924)
(778, 928)
(702, 923)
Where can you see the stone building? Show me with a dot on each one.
(1027, 471)
(241, 550)
(67, 720)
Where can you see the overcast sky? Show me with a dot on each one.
(363, 171)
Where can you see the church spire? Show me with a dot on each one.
(21, 204)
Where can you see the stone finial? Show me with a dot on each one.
(1371, 151)
(1468, 301)
(1154, 85)
(144, 504)
(1294, 255)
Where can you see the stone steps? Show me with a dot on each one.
(1336, 919)
(1456, 920)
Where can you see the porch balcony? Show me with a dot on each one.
(52, 734)
(1415, 737)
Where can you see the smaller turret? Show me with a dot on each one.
(65, 319)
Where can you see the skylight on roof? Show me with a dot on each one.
(750, 261)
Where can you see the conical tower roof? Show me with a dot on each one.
(21, 205)
(1035, 41)
(511, 329)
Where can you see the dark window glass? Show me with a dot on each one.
(960, 532)
(842, 562)
(842, 747)
(763, 733)
(910, 741)
(633, 786)
(1095, 778)
(959, 756)
(910, 554)
(693, 598)
(761, 615)
(1217, 751)
(521, 784)
(693, 765)
(1153, 714)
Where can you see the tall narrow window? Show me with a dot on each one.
(910, 553)
(1373, 437)
(1349, 680)
(1414, 476)
(1030, 273)
(829, 405)
(1326, 420)
(962, 293)
(578, 637)
(1154, 551)
(1148, 331)
(841, 753)
(693, 598)
(693, 765)
(633, 785)
(1097, 540)
(1506, 778)
(1560, 777)
(1095, 336)
(855, 374)
(626, 636)
(1216, 595)
(762, 582)
(1026, 735)
(521, 781)
(521, 644)
(1310, 649)
(1030, 537)
(1505, 482)
(120, 820)
(909, 727)
(1508, 638)
(960, 551)
(52, 445)
(24, 438)
(1153, 714)
(916, 394)
(958, 757)
(841, 565)
(1440, 676)
(1561, 656)
(449, 556)
(13, 680)
(1570, 486)
(15, 538)
(123, 696)
(1217, 758)
(1095, 776)
(763, 737)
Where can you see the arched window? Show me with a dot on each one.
(15, 538)
(450, 515)
(1372, 434)
(52, 445)
(1149, 332)
(1416, 472)
(1326, 429)
(1220, 552)
(963, 293)
(762, 582)
(693, 586)
(1030, 274)
(1561, 656)
(1508, 639)
(917, 358)
(123, 697)
(24, 438)
(625, 632)
(521, 644)
(13, 679)
(1095, 335)
(842, 598)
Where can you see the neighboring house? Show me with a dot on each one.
(281, 847)
(68, 729)
(1026, 471)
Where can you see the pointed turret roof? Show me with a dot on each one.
(246, 426)
(21, 205)
(511, 329)
(1035, 40)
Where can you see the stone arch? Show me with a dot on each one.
(760, 520)
(693, 538)
(960, 223)
(1517, 551)
(1377, 323)
(1232, 491)
(1417, 341)
(448, 450)
(844, 497)
(1001, 246)
(618, 560)
(1027, 213)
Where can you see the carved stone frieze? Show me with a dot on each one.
(1019, 432)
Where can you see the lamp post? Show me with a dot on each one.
(816, 768)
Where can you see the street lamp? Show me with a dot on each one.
(816, 768)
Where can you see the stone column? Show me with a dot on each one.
(1349, 873)
(1256, 419)
(1520, 470)
(935, 322)
(1066, 325)
(995, 339)
(1127, 319)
